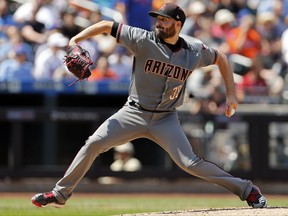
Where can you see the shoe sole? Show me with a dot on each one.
(55, 205)
(36, 204)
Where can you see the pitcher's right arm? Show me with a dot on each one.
(101, 27)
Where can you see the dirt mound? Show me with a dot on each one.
(270, 211)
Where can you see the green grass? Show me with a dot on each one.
(86, 205)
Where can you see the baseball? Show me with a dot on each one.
(232, 111)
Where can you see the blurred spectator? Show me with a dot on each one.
(135, 12)
(193, 18)
(202, 82)
(206, 88)
(47, 13)
(124, 159)
(265, 5)
(86, 14)
(6, 19)
(75, 18)
(95, 16)
(60, 5)
(278, 7)
(259, 82)
(102, 71)
(271, 29)
(99, 45)
(68, 25)
(106, 44)
(252, 83)
(224, 21)
(244, 38)
(121, 62)
(232, 5)
(16, 68)
(14, 39)
(198, 23)
(280, 10)
(49, 61)
(33, 31)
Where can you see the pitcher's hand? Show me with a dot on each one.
(231, 105)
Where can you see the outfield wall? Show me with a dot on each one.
(41, 133)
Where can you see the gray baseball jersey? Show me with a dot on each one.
(159, 75)
(157, 88)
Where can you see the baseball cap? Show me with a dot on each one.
(197, 7)
(57, 39)
(127, 147)
(170, 10)
(224, 16)
(20, 49)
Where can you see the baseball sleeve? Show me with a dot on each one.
(208, 55)
(129, 36)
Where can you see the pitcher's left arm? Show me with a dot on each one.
(227, 75)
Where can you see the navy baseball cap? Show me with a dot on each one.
(170, 10)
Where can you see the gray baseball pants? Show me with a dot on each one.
(163, 128)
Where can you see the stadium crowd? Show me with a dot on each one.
(253, 34)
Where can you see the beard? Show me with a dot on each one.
(165, 33)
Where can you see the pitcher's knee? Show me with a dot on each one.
(189, 165)
(97, 144)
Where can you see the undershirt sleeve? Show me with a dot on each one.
(114, 29)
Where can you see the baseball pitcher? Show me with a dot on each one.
(162, 64)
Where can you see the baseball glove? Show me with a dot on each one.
(77, 62)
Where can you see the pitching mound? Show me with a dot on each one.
(270, 211)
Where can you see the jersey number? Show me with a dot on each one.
(176, 92)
